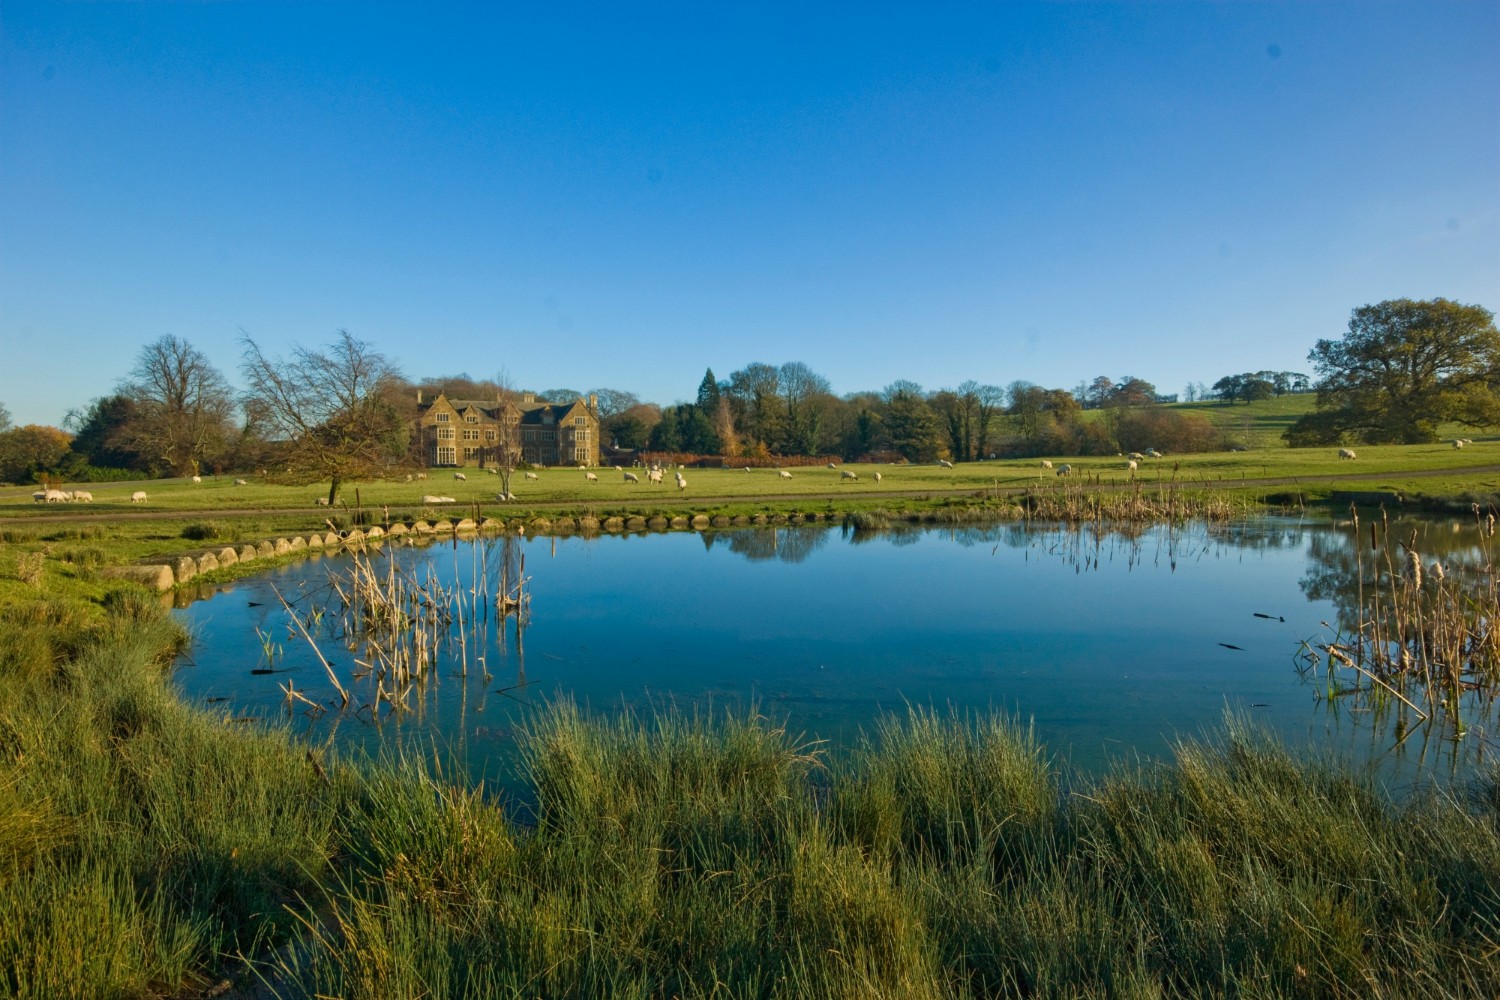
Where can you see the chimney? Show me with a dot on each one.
(593, 403)
(528, 397)
(419, 397)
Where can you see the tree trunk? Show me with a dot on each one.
(333, 491)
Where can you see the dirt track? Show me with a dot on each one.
(77, 514)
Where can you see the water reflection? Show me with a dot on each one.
(1113, 640)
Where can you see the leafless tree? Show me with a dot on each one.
(508, 435)
(182, 404)
(336, 410)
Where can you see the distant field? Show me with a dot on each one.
(1259, 424)
(1391, 464)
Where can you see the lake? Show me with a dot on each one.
(1114, 643)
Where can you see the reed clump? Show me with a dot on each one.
(1079, 501)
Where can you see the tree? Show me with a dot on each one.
(182, 405)
(802, 392)
(4, 418)
(27, 451)
(708, 393)
(1131, 391)
(755, 393)
(909, 424)
(336, 409)
(1098, 391)
(100, 433)
(1403, 368)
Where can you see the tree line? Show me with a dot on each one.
(343, 411)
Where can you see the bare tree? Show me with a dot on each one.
(507, 451)
(336, 409)
(182, 404)
(4, 418)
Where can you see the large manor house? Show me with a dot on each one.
(524, 429)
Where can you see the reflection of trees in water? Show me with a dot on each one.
(787, 544)
(1350, 555)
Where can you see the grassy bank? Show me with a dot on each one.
(149, 847)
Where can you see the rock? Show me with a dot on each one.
(247, 553)
(614, 524)
(699, 521)
(265, 550)
(442, 526)
(298, 542)
(208, 562)
(227, 556)
(314, 541)
(466, 524)
(396, 529)
(374, 531)
(635, 523)
(185, 568)
(153, 577)
(281, 547)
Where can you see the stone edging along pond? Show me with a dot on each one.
(166, 572)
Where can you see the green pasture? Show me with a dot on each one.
(1393, 466)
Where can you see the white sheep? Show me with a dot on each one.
(1137, 456)
(631, 477)
(1458, 442)
(846, 474)
(461, 477)
(493, 472)
(321, 501)
(877, 477)
(532, 475)
(1046, 463)
(1346, 453)
(139, 496)
(1132, 465)
(591, 477)
(40, 496)
(83, 496)
(831, 465)
(655, 475)
(1064, 470)
(421, 475)
(241, 482)
(1152, 453)
(681, 482)
(784, 474)
(431, 499)
(197, 479)
(945, 463)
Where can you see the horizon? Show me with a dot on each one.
(1044, 193)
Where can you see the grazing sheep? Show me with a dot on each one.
(532, 475)
(591, 477)
(877, 477)
(1046, 463)
(945, 463)
(421, 475)
(197, 479)
(493, 472)
(655, 476)
(784, 474)
(321, 501)
(681, 482)
(832, 465)
(846, 474)
(1152, 453)
(431, 499)
(241, 482)
(747, 468)
(83, 496)
(139, 496)
(631, 477)
(583, 468)
(1346, 453)
(1458, 442)
(1132, 465)
(461, 477)
(1064, 470)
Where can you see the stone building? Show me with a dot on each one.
(505, 432)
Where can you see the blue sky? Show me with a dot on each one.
(623, 195)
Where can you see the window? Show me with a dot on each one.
(489, 435)
(471, 435)
(471, 453)
(580, 421)
(441, 418)
(445, 457)
(445, 433)
(470, 418)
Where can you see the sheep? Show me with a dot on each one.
(877, 477)
(631, 477)
(461, 477)
(831, 465)
(421, 475)
(591, 477)
(139, 496)
(1064, 470)
(1458, 442)
(532, 475)
(40, 496)
(583, 468)
(241, 482)
(197, 479)
(493, 472)
(1046, 463)
(83, 496)
(1346, 453)
(502, 497)
(784, 474)
(945, 463)
(1137, 456)
(1152, 453)
(747, 468)
(321, 501)
(681, 482)
(846, 474)
(655, 476)
(1132, 465)
(431, 499)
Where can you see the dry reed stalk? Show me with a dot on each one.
(343, 695)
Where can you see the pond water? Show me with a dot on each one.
(1114, 644)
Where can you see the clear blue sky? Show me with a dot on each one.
(624, 194)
